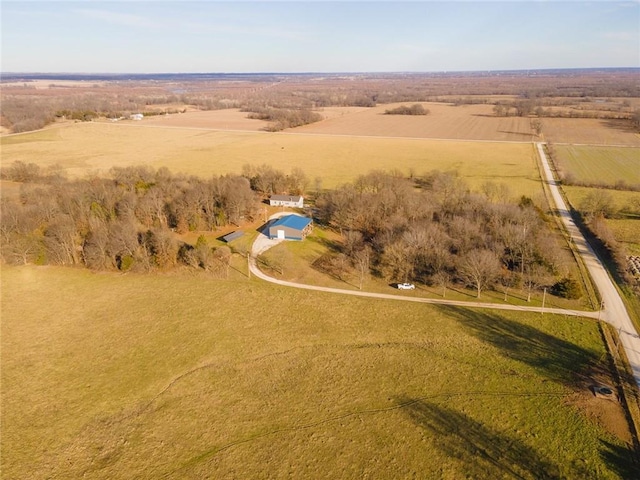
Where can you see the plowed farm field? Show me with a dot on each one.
(589, 131)
(466, 122)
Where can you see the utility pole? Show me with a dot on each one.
(248, 265)
(544, 295)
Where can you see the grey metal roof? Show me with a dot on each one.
(286, 198)
(232, 236)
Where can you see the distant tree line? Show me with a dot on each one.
(415, 109)
(434, 229)
(295, 100)
(528, 107)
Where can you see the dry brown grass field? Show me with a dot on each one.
(231, 119)
(93, 148)
(446, 121)
(465, 122)
(108, 376)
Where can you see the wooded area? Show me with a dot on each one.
(435, 230)
(124, 222)
(430, 229)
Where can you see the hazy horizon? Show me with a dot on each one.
(155, 37)
(523, 71)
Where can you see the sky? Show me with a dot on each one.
(154, 36)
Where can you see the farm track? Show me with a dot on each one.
(262, 244)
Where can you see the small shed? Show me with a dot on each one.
(290, 227)
(229, 237)
(286, 201)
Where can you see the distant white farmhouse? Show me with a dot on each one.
(286, 201)
(136, 116)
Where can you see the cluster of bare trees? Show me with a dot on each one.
(267, 180)
(127, 221)
(281, 118)
(415, 109)
(434, 230)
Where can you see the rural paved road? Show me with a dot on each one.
(614, 311)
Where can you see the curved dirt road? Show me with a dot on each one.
(614, 312)
(263, 243)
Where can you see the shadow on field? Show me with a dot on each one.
(482, 452)
(623, 460)
(557, 359)
(621, 125)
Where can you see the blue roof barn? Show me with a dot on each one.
(290, 227)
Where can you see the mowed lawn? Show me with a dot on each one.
(93, 148)
(608, 165)
(182, 376)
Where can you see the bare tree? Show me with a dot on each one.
(480, 268)
(361, 260)
(442, 279)
(63, 242)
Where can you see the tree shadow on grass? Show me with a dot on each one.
(482, 451)
(556, 359)
(622, 459)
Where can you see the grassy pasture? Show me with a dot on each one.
(152, 376)
(626, 229)
(591, 164)
(621, 198)
(96, 147)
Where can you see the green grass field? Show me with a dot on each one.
(608, 165)
(625, 229)
(91, 148)
(621, 198)
(183, 376)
